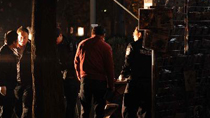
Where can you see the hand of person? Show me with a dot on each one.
(121, 78)
(3, 90)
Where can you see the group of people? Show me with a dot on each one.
(16, 77)
(95, 70)
(87, 70)
(15, 74)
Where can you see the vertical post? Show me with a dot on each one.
(153, 81)
(186, 34)
(33, 57)
(48, 100)
(92, 12)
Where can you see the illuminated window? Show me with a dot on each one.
(147, 4)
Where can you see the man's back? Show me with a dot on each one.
(8, 69)
(94, 68)
(95, 56)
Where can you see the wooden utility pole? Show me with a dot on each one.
(48, 100)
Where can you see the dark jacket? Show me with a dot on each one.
(137, 61)
(25, 66)
(66, 57)
(8, 67)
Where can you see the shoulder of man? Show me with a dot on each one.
(28, 44)
(4, 49)
(106, 45)
(5, 54)
(28, 47)
(83, 41)
(131, 45)
(129, 48)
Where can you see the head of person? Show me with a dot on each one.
(22, 36)
(136, 34)
(98, 31)
(59, 36)
(11, 39)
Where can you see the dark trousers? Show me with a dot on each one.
(137, 99)
(71, 89)
(8, 104)
(23, 107)
(95, 89)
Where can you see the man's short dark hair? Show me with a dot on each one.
(10, 37)
(99, 30)
(22, 29)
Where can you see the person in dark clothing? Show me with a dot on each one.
(8, 72)
(23, 90)
(66, 61)
(137, 70)
(95, 70)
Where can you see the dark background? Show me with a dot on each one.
(73, 13)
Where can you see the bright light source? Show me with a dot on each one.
(30, 36)
(80, 31)
(105, 10)
(30, 33)
(147, 4)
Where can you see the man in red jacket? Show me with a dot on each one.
(94, 68)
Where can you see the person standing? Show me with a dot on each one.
(23, 90)
(66, 61)
(95, 70)
(8, 72)
(137, 70)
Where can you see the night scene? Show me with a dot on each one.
(105, 59)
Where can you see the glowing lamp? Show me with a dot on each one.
(80, 31)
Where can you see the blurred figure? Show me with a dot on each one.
(23, 90)
(8, 72)
(66, 61)
(95, 70)
(137, 69)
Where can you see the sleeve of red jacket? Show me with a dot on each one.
(109, 67)
(77, 63)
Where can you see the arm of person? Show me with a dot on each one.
(121, 78)
(109, 68)
(126, 68)
(77, 63)
(3, 90)
(3, 71)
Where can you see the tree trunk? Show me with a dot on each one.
(48, 100)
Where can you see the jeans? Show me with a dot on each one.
(8, 104)
(96, 89)
(24, 98)
(137, 99)
(71, 89)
